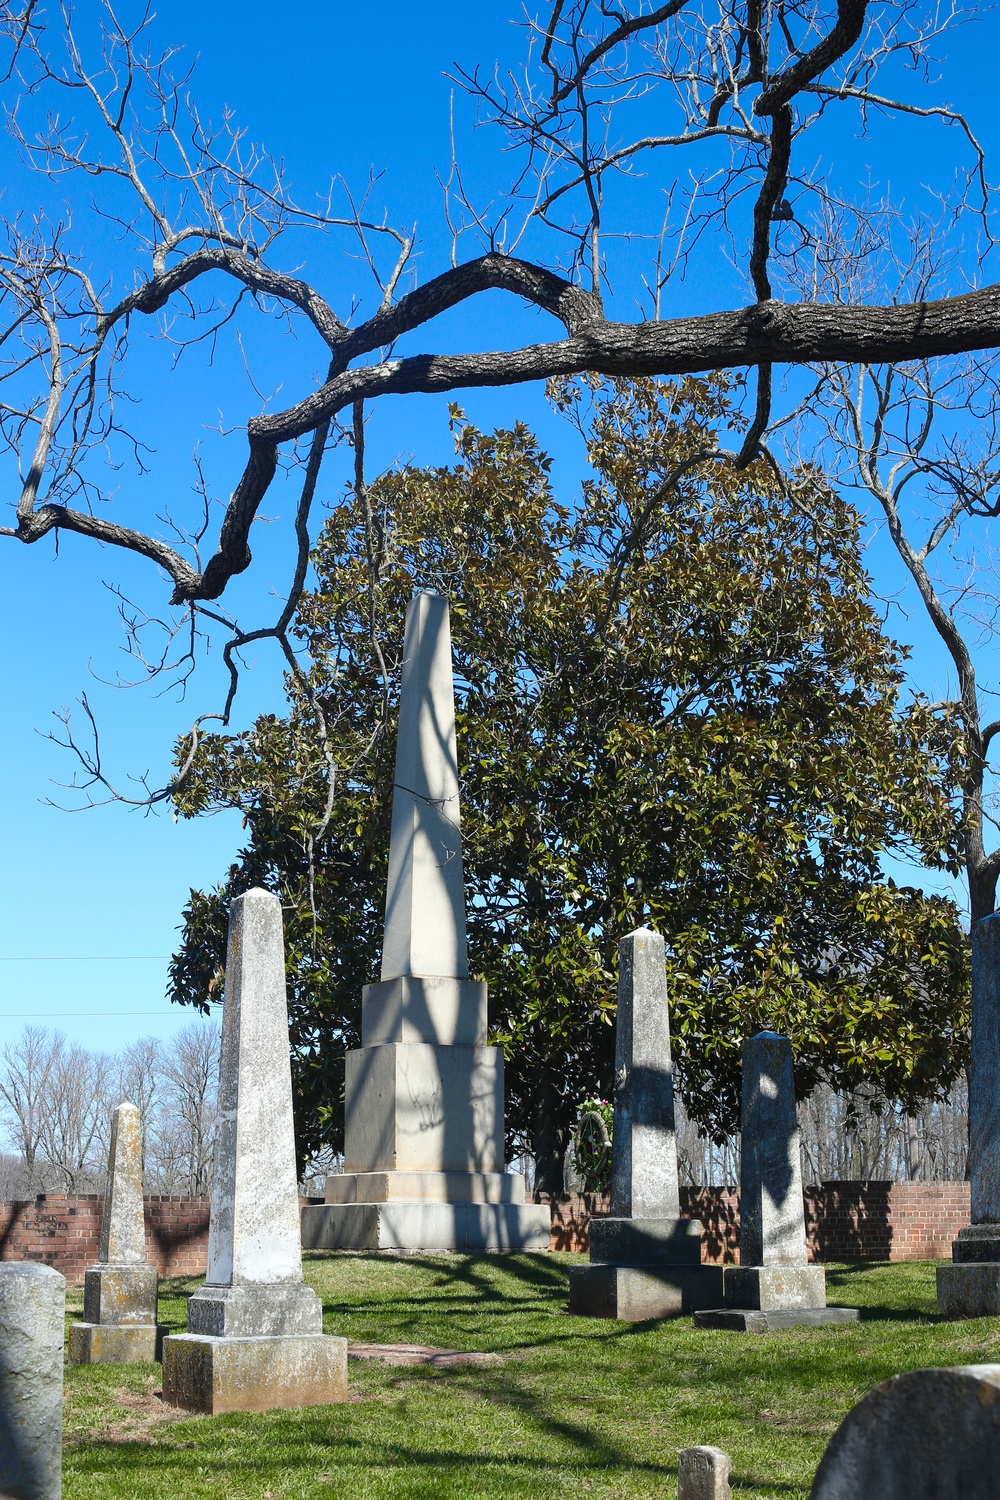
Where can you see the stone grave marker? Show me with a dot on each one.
(703, 1474)
(970, 1287)
(423, 1152)
(32, 1315)
(120, 1293)
(255, 1331)
(773, 1286)
(925, 1435)
(645, 1260)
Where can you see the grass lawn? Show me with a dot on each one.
(573, 1407)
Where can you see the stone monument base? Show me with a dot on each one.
(636, 1294)
(424, 1224)
(212, 1375)
(970, 1288)
(775, 1288)
(431, 1187)
(754, 1320)
(115, 1343)
(120, 1294)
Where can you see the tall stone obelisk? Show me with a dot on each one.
(255, 1335)
(423, 1155)
(645, 1259)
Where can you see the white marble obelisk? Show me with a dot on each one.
(255, 1331)
(120, 1292)
(423, 1155)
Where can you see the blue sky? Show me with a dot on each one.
(90, 901)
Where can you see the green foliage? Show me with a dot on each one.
(676, 705)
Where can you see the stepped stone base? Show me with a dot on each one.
(775, 1288)
(212, 1375)
(969, 1290)
(435, 1187)
(635, 1294)
(755, 1320)
(426, 1225)
(114, 1343)
(645, 1242)
(257, 1309)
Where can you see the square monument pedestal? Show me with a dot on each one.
(642, 1269)
(762, 1299)
(212, 1375)
(970, 1287)
(119, 1318)
(427, 1224)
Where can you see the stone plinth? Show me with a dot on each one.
(925, 1435)
(423, 1147)
(255, 1336)
(970, 1288)
(32, 1313)
(773, 1286)
(645, 1260)
(120, 1293)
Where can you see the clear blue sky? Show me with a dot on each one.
(91, 901)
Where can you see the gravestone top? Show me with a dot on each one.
(644, 1145)
(32, 1320)
(772, 1213)
(425, 896)
(123, 1237)
(703, 1474)
(254, 1233)
(925, 1435)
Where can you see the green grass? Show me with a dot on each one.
(576, 1407)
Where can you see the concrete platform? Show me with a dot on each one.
(754, 1320)
(637, 1294)
(970, 1289)
(203, 1374)
(426, 1225)
(115, 1343)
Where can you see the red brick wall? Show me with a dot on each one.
(844, 1220)
(64, 1231)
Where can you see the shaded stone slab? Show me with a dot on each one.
(769, 1288)
(645, 1242)
(703, 1474)
(754, 1320)
(971, 1290)
(772, 1212)
(115, 1343)
(260, 1309)
(434, 1187)
(925, 1435)
(637, 1294)
(425, 1225)
(203, 1374)
(32, 1314)
(428, 1008)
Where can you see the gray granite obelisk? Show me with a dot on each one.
(423, 1154)
(970, 1288)
(255, 1331)
(773, 1286)
(645, 1260)
(120, 1292)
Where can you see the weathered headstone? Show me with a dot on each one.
(120, 1292)
(703, 1474)
(970, 1288)
(925, 1435)
(645, 1260)
(255, 1331)
(32, 1315)
(423, 1154)
(773, 1286)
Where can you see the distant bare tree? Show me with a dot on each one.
(25, 1086)
(179, 1154)
(74, 1120)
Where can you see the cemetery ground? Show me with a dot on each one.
(565, 1407)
